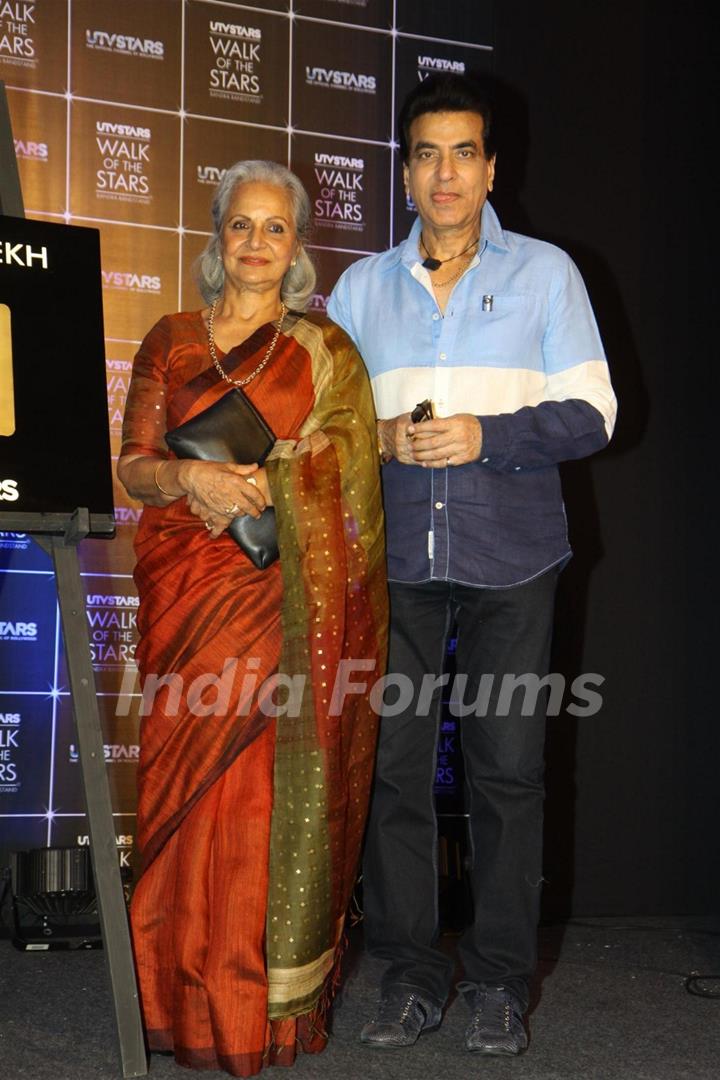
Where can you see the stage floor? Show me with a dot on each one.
(609, 1003)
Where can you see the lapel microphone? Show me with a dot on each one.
(432, 263)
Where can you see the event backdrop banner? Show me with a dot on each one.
(125, 116)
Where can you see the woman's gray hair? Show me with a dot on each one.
(298, 284)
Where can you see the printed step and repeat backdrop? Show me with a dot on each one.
(125, 115)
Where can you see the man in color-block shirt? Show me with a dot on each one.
(496, 331)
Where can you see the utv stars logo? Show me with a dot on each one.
(27, 150)
(340, 80)
(18, 631)
(210, 174)
(426, 65)
(338, 203)
(129, 282)
(17, 22)
(124, 44)
(236, 59)
(123, 157)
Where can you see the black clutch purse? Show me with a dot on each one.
(233, 430)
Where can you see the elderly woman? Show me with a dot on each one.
(251, 808)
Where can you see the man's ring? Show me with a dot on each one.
(251, 480)
(209, 526)
(234, 509)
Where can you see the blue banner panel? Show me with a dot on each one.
(21, 834)
(26, 734)
(18, 551)
(71, 831)
(28, 618)
(121, 757)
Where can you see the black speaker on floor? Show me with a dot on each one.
(53, 900)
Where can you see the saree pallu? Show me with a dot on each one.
(256, 751)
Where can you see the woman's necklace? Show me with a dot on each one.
(263, 362)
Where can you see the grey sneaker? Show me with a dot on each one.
(496, 1026)
(402, 1014)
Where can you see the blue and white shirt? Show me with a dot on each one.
(518, 346)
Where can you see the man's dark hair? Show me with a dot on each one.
(447, 93)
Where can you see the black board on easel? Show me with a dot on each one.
(54, 436)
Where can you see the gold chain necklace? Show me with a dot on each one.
(455, 277)
(263, 362)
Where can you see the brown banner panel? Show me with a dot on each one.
(359, 12)
(329, 265)
(347, 183)
(40, 134)
(192, 246)
(116, 556)
(210, 146)
(342, 81)
(127, 52)
(139, 278)
(415, 59)
(124, 164)
(119, 357)
(236, 63)
(472, 22)
(33, 44)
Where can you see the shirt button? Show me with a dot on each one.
(439, 505)
(517, 468)
(485, 460)
(443, 356)
(435, 316)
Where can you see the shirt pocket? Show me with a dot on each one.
(505, 330)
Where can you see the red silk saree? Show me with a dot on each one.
(254, 774)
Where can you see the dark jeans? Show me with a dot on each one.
(499, 631)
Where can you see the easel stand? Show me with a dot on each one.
(62, 546)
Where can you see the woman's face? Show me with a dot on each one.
(259, 240)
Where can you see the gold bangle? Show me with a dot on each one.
(158, 485)
(384, 456)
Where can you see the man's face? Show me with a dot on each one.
(448, 175)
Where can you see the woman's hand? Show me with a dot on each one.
(217, 492)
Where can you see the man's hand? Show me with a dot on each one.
(393, 438)
(450, 440)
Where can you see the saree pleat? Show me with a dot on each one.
(252, 803)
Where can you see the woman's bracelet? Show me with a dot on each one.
(159, 486)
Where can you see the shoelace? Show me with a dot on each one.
(389, 1005)
(493, 1010)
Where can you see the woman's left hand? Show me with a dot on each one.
(217, 493)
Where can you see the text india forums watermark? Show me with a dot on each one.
(240, 690)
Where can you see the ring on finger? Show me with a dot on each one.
(234, 509)
(209, 526)
(251, 480)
